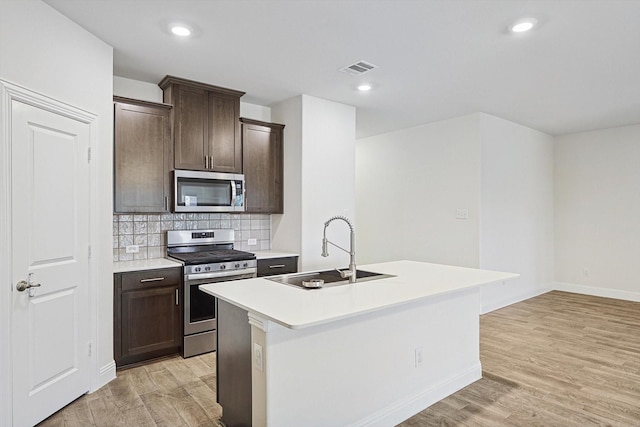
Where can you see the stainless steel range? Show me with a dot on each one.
(208, 256)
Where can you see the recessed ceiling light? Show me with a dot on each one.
(180, 30)
(364, 87)
(523, 25)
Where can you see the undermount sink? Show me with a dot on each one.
(330, 278)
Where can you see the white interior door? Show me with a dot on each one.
(50, 245)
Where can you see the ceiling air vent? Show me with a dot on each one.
(358, 68)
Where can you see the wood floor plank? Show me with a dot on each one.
(191, 412)
(161, 410)
(210, 381)
(79, 415)
(141, 381)
(207, 400)
(124, 394)
(164, 380)
(181, 370)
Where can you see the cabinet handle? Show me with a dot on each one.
(206, 162)
(166, 203)
(177, 300)
(276, 266)
(153, 279)
(210, 162)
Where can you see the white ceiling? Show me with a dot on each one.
(578, 70)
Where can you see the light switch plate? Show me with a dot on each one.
(133, 249)
(252, 242)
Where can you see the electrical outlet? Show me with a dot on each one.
(585, 272)
(257, 356)
(252, 242)
(462, 214)
(133, 249)
(419, 357)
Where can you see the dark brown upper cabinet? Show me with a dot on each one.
(206, 130)
(143, 156)
(262, 145)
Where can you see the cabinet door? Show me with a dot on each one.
(262, 165)
(147, 314)
(150, 322)
(191, 127)
(225, 147)
(142, 157)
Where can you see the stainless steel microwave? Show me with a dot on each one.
(197, 191)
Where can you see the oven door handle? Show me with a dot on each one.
(218, 274)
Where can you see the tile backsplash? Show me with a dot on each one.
(149, 232)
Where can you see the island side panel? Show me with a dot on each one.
(233, 365)
(362, 371)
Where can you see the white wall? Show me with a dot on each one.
(516, 227)
(136, 89)
(47, 53)
(319, 178)
(328, 179)
(286, 228)
(256, 112)
(597, 212)
(409, 185)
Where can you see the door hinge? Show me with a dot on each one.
(89, 252)
(89, 154)
(89, 349)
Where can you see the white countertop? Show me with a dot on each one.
(144, 264)
(155, 263)
(297, 308)
(272, 254)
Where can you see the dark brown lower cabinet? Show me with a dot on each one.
(147, 314)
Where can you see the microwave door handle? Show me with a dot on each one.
(233, 193)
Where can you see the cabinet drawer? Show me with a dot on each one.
(151, 278)
(273, 266)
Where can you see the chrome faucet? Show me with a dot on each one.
(351, 273)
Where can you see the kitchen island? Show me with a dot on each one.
(369, 353)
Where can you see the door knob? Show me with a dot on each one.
(23, 285)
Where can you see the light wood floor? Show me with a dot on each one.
(169, 392)
(559, 359)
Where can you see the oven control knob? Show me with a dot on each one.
(197, 269)
(222, 267)
(246, 264)
(237, 266)
(207, 268)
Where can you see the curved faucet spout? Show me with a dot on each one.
(351, 273)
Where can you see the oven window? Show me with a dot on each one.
(198, 192)
(203, 305)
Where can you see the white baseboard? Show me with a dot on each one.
(106, 374)
(596, 291)
(408, 406)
